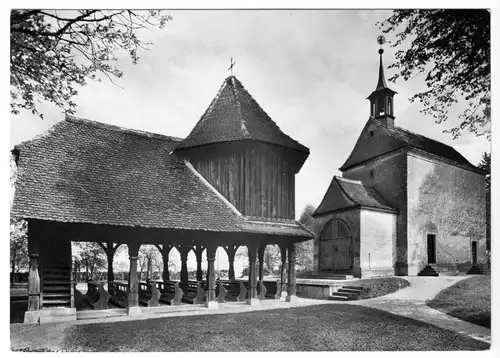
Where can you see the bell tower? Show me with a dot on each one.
(382, 99)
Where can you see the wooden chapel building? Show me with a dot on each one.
(229, 183)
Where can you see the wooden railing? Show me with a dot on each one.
(118, 293)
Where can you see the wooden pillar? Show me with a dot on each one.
(165, 251)
(252, 274)
(133, 282)
(199, 271)
(230, 257)
(262, 248)
(184, 270)
(283, 264)
(211, 303)
(231, 252)
(292, 288)
(32, 315)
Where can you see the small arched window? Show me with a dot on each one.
(335, 229)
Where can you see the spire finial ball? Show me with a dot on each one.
(380, 51)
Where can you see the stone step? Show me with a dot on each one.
(350, 290)
(435, 274)
(345, 294)
(110, 312)
(336, 297)
(475, 270)
(352, 287)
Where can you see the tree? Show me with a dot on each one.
(18, 246)
(91, 257)
(305, 250)
(453, 48)
(52, 52)
(149, 256)
(18, 233)
(485, 165)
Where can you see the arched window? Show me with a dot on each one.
(335, 229)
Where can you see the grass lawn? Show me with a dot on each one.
(469, 300)
(376, 287)
(315, 328)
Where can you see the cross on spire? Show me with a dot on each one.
(231, 66)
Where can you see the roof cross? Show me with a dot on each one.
(232, 65)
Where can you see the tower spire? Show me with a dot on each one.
(381, 100)
(381, 84)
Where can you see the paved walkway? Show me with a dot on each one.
(410, 302)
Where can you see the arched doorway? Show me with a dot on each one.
(336, 247)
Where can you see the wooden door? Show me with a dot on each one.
(342, 255)
(431, 249)
(327, 255)
(474, 252)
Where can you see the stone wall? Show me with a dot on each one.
(351, 218)
(378, 243)
(449, 202)
(389, 179)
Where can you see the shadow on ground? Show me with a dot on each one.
(314, 328)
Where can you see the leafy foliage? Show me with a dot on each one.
(53, 51)
(90, 257)
(305, 250)
(19, 260)
(453, 48)
(485, 165)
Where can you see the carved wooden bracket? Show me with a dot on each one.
(155, 296)
(263, 290)
(200, 294)
(178, 295)
(222, 294)
(243, 293)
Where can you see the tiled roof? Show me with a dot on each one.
(345, 193)
(88, 172)
(362, 194)
(393, 138)
(234, 115)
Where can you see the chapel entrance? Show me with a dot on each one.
(431, 248)
(474, 252)
(335, 247)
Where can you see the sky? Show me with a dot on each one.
(310, 70)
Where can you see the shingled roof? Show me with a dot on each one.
(345, 193)
(395, 138)
(234, 115)
(88, 172)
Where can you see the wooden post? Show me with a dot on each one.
(184, 270)
(199, 271)
(33, 284)
(32, 315)
(133, 283)
(231, 252)
(165, 252)
(262, 248)
(211, 303)
(292, 288)
(252, 274)
(283, 264)
(110, 252)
